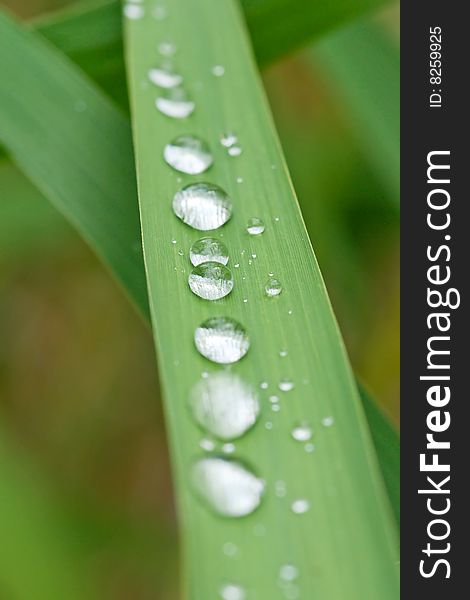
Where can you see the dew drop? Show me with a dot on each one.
(327, 421)
(274, 399)
(164, 77)
(286, 385)
(288, 572)
(264, 385)
(228, 140)
(207, 444)
(228, 448)
(227, 486)
(133, 11)
(309, 448)
(273, 287)
(167, 48)
(255, 226)
(234, 151)
(218, 70)
(208, 249)
(211, 281)
(188, 154)
(222, 340)
(283, 353)
(175, 103)
(224, 405)
(202, 206)
(302, 432)
(275, 407)
(232, 591)
(268, 425)
(300, 506)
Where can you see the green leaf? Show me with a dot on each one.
(349, 523)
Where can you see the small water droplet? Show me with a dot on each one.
(259, 530)
(288, 572)
(222, 340)
(250, 261)
(273, 287)
(227, 486)
(230, 549)
(188, 154)
(133, 11)
(167, 48)
(175, 103)
(237, 265)
(228, 140)
(207, 444)
(239, 179)
(286, 385)
(173, 241)
(208, 249)
(232, 592)
(289, 312)
(280, 488)
(211, 281)
(228, 448)
(218, 70)
(203, 206)
(254, 255)
(255, 226)
(309, 448)
(268, 425)
(277, 219)
(302, 432)
(291, 592)
(245, 300)
(224, 405)
(159, 13)
(327, 421)
(234, 151)
(274, 399)
(300, 506)
(165, 77)
(275, 407)
(283, 353)
(264, 385)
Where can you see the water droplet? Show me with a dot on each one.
(255, 226)
(289, 312)
(274, 399)
(273, 287)
(280, 488)
(224, 405)
(159, 13)
(222, 340)
(180, 252)
(211, 281)
(288, 572)
(239, 179)
(228, 140)
(228, 448)
(167, 48)
(173, 241)
(275, 407)
(232, 592)
(277, 219)
(133, 11)
(218, 70)
(234, 151)
(175, 103)
(291, 592)
(237, 265)
(245, 300)
(327, 421)
(309, 448)
(227, 486)
(188, 154)
(300, 506)
(203, 206)
(208, 249)
(229, 549)
(268, 425)
(163, 76)
(207, 444)
(264, 385)
(302, 432)
(283, 353)
(286, 385)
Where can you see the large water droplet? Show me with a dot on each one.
(188, 154)
(232, 591)
(211, 281)
(255, 226)
(273, 287)
(203, 206)
(208, 249)
(175, 103)
(163, 76)
(222, 340)
(224, 405)
(227, 486)
(302, 432)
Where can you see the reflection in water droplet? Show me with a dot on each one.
(232, 592)
(227, 486)
(218, 70)
(175, 103)
(273, 287)
(255, 226)
(234, 151)
(286, 385)
(224, 405)
(133, 11)
(288, 572)
(302, 432)
(300, 506)
(167, 48)
(203, 206)
(188, 154)
(211, 281)
(327, 421)
(208, 249)
(163, 76)
(222, 340)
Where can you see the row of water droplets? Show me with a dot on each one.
(221, 403)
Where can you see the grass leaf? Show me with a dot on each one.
(349, 523)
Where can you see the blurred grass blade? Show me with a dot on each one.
(363, 64)
(349, 524)
(75, 146)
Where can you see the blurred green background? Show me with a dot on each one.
(79, 396)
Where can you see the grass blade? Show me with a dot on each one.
(349, 522)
